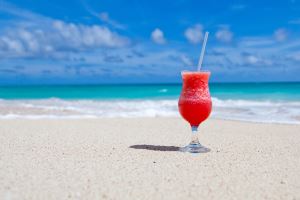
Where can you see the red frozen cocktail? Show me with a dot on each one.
(195, 104)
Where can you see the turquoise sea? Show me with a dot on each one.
(246, 91)
(262, 102)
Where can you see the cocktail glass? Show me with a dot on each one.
(195, 105)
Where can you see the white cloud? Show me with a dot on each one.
(249, 53)
(11, 45)
(57, 36)
(294, 55)
(34, 35)
(251, 59)
(194, 34)
(224, 34)
(256, 42)
(158, 36)
(88, 36)
(281, 34)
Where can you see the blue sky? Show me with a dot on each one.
(113, 41)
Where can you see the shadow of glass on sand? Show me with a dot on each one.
(155, 147)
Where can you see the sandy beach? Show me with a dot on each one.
(124, 158)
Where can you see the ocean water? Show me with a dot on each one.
(260, 102)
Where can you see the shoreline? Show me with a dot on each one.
(82, 117)
(137, 158)
(254, 111)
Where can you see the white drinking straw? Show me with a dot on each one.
(202, 51)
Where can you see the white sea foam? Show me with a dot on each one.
(258, 111)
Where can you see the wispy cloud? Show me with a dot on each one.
(281, 34)
(194, 34)
(294, 55)
(186, 60)
(27, 15)
(253, 53)
(158, 37)
(104, 17)
(256, 42)
(224, 34)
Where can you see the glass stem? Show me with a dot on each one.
(194, 138)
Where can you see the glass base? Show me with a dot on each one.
(195, 148)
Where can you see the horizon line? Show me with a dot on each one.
(141, 84)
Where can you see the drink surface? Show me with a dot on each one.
(195, 101)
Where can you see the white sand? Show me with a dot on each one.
(92, 159)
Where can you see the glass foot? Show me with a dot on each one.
(195, 148)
